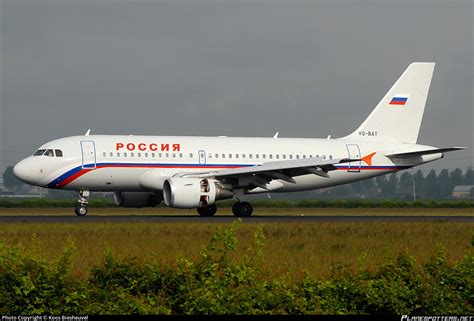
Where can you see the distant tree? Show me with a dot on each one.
(405, 185)
(456, 177)
(366, 188)
(444, 184)
(388, 186)
(9, 179)
(392, 184)
(469, 177)
(472, 192)
(432, 186)
(420, 186)
(381, 184)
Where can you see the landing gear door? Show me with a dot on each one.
(202, 157)
(88, 154)
(354, 152)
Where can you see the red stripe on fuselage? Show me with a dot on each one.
(73, 177)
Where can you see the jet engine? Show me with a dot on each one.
(185, 192)
(137, 199)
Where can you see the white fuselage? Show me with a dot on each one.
(118, 163)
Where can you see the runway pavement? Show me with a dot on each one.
(221, 219)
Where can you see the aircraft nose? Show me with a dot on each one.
(23, 171)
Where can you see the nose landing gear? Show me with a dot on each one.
(81, 208)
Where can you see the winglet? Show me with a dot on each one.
(368, 159)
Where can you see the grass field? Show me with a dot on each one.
(290, 248)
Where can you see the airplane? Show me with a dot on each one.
(195, 172)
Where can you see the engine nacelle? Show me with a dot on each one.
(185, 192)
(137, 199)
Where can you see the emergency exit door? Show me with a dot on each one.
(88, 154)
(354, 153)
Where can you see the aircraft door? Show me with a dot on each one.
(354, 152)
(202, 157)
(88, 154)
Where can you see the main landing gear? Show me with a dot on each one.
(240, 209)
(207, 210)
(81, 208)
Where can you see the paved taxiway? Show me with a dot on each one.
(220, 219)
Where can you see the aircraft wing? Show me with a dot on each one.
(260, 175)
(424, 152)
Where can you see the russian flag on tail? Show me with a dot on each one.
(399, 100)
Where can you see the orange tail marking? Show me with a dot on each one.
(368, 159)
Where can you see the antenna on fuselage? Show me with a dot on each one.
(276, 135)
(87, 132)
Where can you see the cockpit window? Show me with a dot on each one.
(39, 152)
(59, 153)
(49, 153)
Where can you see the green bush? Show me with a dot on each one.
(220, 282)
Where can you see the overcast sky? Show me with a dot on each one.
(236, 68)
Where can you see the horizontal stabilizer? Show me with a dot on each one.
(425, 152)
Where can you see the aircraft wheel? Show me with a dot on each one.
(207, 211)
(81, 210)
(242, 209)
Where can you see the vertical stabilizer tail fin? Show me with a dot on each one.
(398, 115)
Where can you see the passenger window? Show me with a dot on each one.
(291, 156)
(118, 154)
(167, 155)
(304, 156)
(49, 153)
(139, 154)
(39, 152)
(104, 154)
(297, 156)
(250, 155)
(209, 155)
(191, 155)
(132, 154)
(174, 155)
(230, 155)
(146, 154)
(256, 156)
(160, 155)
(330, 156)
(59, 153)
(243, 155)
(284, 156)
(223, 155)
(217, 155)
(270, 156)
(180, 155)
(236, 155)
(264, 156)
(153, 155)
(124, 154)
(324, 156)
